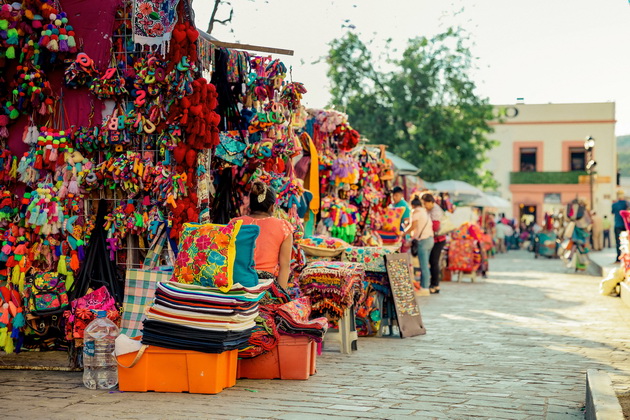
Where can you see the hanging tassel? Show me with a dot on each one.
(10, 52)
(73, 188)
(46, 229)
(21, 280)
(81, 252)
(72, 43)
(9, 346)
(39, 162)
(19, 251)
(14, 168)
(4, 315)
(19, 321)
(23, 166)
(3, 337)
(52, 45)
(42, 218)
(53, 155)
(63, 45)
(32, 135)
(12, 309)
(34, 213)
(61, 265)
(69, 280)
(63, 191)
(74, 261)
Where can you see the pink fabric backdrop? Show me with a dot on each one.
(93, 23)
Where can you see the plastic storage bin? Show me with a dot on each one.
(293, 358)
(167, 370)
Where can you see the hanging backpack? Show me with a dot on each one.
(47, 294)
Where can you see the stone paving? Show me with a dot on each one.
(515, 346)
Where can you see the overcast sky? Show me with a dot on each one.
(541, 50)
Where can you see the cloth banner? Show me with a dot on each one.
(154, 21)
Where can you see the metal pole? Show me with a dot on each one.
(591, 189)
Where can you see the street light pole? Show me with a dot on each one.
(589, 146)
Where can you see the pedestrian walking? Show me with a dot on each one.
(597, 232)
(421, 229)
(606, 225)
(437, 215)
(617, 207)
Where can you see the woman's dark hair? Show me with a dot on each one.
(428, 198)
(416, 202)
(261, 198)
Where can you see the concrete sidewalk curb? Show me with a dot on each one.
(594, 269)
(601, 401)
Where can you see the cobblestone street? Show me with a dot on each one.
(514, 346)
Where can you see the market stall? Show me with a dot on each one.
(114, 145)
(131, 144)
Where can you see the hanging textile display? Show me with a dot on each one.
(154, 22)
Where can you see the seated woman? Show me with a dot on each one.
(275, 242)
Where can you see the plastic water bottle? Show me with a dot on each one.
(100, 369)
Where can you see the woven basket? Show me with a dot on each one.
(321, 252)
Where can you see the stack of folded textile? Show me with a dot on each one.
(332, 287)
(279, 315)
(292, 318)
(205, 319)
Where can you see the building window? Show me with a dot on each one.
(553, 198)
(577, 159)
(528, 159)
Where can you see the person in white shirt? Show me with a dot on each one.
(503, 232)
(421, 229)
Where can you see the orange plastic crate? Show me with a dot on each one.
(167, 370)
(313, 367)
(293, 358)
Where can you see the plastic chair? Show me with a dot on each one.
(345, 334)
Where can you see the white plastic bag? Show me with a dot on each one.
(609, 284)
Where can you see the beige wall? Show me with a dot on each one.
(555, 127)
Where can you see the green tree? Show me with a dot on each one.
(423, 104)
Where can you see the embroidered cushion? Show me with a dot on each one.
(244, 265)
(392, 219)
(206, 255)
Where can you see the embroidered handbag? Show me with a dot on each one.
(47, 294)
(231, 148)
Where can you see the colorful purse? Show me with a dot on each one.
(47, 295)
(231, 148)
